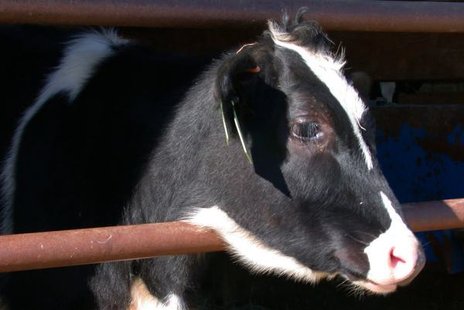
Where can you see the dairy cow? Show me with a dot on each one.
(271, 147)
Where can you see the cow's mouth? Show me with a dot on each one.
(368, 285)
(375, 287)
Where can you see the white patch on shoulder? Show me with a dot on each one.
(329, 70)
(80, 57)
(142, 299)
(249, 250)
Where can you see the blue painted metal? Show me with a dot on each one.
(421, 151)
(417, 174)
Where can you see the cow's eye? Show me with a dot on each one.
(307, 131)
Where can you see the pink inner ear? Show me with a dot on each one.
(254, 70)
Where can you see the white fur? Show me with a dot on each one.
(249, 250)
(398, 235)
(329, 70)
(397, 222)
(173, 302)
(81, 56)
(142, 299)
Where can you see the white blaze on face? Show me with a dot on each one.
(252, 252)
(328, 70)
(394, 256)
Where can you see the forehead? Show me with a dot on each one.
(327, 75)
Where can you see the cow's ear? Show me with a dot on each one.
(253, 108)
(236, 77)
(235, 71)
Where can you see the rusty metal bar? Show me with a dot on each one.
(387, 16)
(435, 215)
(89, 246)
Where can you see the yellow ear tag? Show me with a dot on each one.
(239, 130)
(226, 129)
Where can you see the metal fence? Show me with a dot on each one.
(95, 245)
(387, 16)
(87, 246)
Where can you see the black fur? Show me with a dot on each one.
(129, 149)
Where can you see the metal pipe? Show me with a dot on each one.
(384, 16)
(435, 215)
(95, 245)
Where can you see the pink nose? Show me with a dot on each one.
(406, 261)
(394, 260)
(395, 256)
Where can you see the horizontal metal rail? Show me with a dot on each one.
(435, 215)
(103, 244)
(387, 16)
(95, 245)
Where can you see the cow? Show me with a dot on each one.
(271, 147)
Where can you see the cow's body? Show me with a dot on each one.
(302, 196)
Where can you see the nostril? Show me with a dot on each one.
(403, 261)
(396, 258)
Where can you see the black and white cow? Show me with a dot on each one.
(296, 190)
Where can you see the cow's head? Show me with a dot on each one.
(311, 202)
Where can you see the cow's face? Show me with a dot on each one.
(326, 208)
